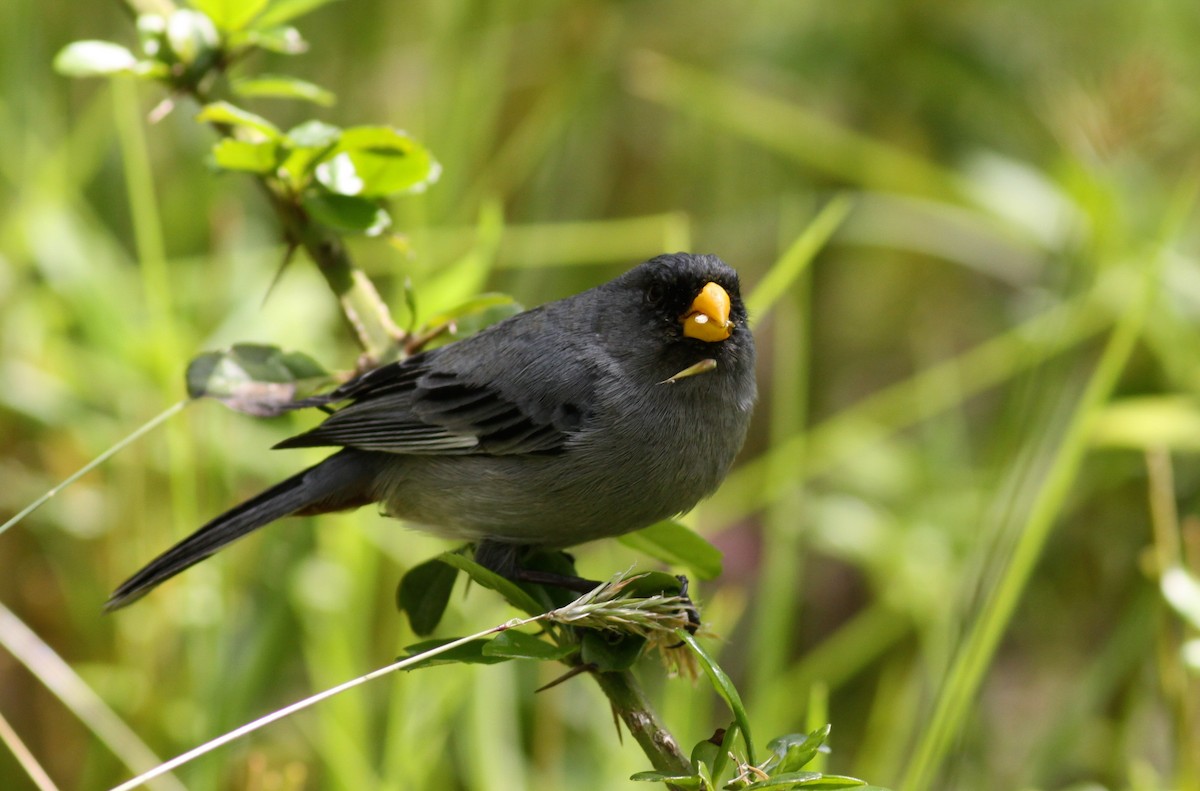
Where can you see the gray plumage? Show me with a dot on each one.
(552, 428)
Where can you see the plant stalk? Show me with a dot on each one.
(630, 704)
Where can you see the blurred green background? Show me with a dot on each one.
(940, 537)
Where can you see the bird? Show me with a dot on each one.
(584, 418)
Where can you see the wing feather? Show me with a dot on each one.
(418, 407)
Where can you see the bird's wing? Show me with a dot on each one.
(499, 396)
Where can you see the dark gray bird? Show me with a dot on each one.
(588, 417)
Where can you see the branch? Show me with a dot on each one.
(630, 704)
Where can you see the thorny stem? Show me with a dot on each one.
(631, 705)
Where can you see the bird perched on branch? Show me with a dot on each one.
(584, 418)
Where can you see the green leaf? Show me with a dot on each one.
(610, 651)
(1182, 591)
(674, 543)
(722, 764)
(94, 59)
(682, 781)
(257, 380)
(230, 15)
(652, 583)
(151, 31)
(493, 581)
(281, 11)
(347, 214)
(231, 115)
(519, 645)
(1166, 421)
(470, 653)
(705, 752)
(243, 155)
(377, 161)
(830, 782)
(283, 40)
(424, 592)
(1191, 654)
(283, 87)
(314, 135)
(724, 687)
(307, 142)
(783, 781)
(793, 751)
(191, 34)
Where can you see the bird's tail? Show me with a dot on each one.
(342, 481)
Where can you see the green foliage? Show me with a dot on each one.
(781, 771)
(255, 379)
(338, 177)
(939, 212)
(672, 542)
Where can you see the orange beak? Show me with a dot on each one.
(707, 318)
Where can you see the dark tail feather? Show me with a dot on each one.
(342, 481)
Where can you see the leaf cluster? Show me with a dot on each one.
(337, 177)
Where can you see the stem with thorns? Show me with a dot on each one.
(630, 704)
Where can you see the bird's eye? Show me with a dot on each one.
(655, 294)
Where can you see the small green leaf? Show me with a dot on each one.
(610, 651)
(470, 653)
(338, 174)
(230, 15)
(347, 214)
(674, 543)
(1182, 591)
(152, 31)
(722, 764)
(830, 782)
(1166, 421)
(283, 40)
(1191, 654)
(785, 781)
(243, 155)
(424, 592)
(377, 161)
(493, 581)
(652, 583)
(307, 142)
(793, 751)
(94, 59)
(283, 87)
(231, 115)
(191, 34)
(681, 781)
(519, 645)
(313, 134)
(281, 11)
(724, 687)
(706, 751)
(257, 380)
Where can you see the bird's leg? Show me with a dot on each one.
(509, 561)
(564, 581)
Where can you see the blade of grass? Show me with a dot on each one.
(780, 277)
(103, 457)
(724, 687)
(979, 646)
(58, 677)
(311, 701)
(24, 757)
(754, 484)
(788, 129)
(782, 560)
